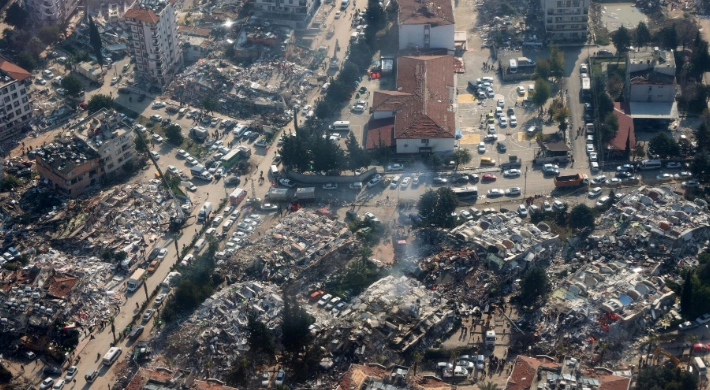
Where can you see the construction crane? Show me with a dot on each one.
(674, 359)
(178, 219)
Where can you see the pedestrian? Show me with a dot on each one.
(22, 367)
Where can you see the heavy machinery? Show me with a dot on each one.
(178, 219)
(660, 351)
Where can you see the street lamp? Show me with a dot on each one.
(525, 187)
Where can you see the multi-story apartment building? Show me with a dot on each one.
(51, 11)
(154, 41)
(15, 108)
(426, 25)
(93, 150)
(293, 13)
(566, 19)
(650, 87)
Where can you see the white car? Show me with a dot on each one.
(601, 179)
(71, 373)
(596, 191)
(245, 227)
(546, 207)
(47, 74)
(490, 93)
(191, 160)
(217, 220)
(41, 81)
(513, 121)
(501, 102)
(287, 183)
(703, 318)
(182, 153)
(330, 186)
(158, 104)
(58, 385)
(162, 253)
(602, 201)
(114, 80)
(558, 205)
(405, 182)
(155, 155)
(157, 138)
(227, 224)
(522, 211)
(512, 173)
(280, 376)
(593, 157)
(494, 192)
(503, 121)
(664, 177)
(590, 148)
(465, 215)
(395, 167)
(160, 298)
(373, 182)
(513, 191)
(521, 90)
(491, 129)
(482, 147)
(356, 186)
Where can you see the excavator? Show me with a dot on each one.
(660, 351)
(177, 220)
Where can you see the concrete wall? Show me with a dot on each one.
(343, 179)
(656, 93)
(411, 35)
(438, 145)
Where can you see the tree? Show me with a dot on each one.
(72, 85)
(614, 85)
(209, 104)
(639, 151)
(557, 62)
(49, 34)
(700, 166)
(702, 137)
(436, 207)
(16, 16)
(664, 145)
(621, 39)
(533, 285)
(174, 134)
(686, 295)
(9, 182)
(668, 36)
(608, 128)
(382, 153)
(642, 35)
(542, 69)
(326, 155)
(581, 217)
(376, 19)
(461, 157)
(541, 93)
(488, 386)
(35, 46)
(417, 357)
(95, 42)
(260, 338)
(295, 334)
(98, 102)
(26, 61)
(357, 157)
(665, 378)
(113, 328)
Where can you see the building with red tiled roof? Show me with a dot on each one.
(15, 106)
(380, 132)
(424, 120)
(428, 24)
(525, 372)
(625, 139)
(154, 42)
(614, 382)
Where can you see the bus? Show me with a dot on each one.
(466, 193)
(586, 87)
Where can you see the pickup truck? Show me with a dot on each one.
(513, 163)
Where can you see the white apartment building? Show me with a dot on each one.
(426, 25)
(292, 13)
(154, 41)
(16, 108)
(566, 19)
(51, 11)
(109, 138)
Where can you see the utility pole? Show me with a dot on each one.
(525, 187)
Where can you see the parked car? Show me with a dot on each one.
(287, 183)
(46, 384)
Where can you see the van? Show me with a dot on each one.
(199, 245)
(487, 79)
(487, 161)
(513, 66)
(340, 126)
(112, 355)
(700, 366)
(239, 130)
(650, 164)
(274, 170)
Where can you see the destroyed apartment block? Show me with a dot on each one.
(376, 376)
(509, 241)
(255, 42)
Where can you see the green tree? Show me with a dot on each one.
(357, 156)
(686, 295)
(16, 16)
(98, 102)
(382, 153)
(295, 334)
(49, 34)
(621, 39)
(488, 386)
(209, 104)
(541, 93)
(581, 217)
(461, 157)
(72, 85)
(614, 86)
(323, 108)
(702, 137)
(701, 166)
(542, 69)
(668, 36)
(642, 36)
(141, 144)
(533, 285)
(605, 105)
(35, 46)
(260, 337)
(436, 207)
(665, 378)
(326, 155)
(557, 62)
(664, 145)
(174, 134)
(608, 128)
(9, 182)
(26, 61)
(95, 42)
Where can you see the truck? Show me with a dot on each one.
(199, 133)
(305, 194)
(197, 170)
(204, 212)
(237, 196)
(576, 180)
(277, 195)
(586, 86)
(136, 280)
(513, 163)
(490, 339)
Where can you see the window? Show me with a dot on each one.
(23, 91)
(12, 87)
(7, 99)
(18, 112)
(425, 141)
(25, 99)
(8, 107)
(16, 104)
(14, 95)
(27, 107)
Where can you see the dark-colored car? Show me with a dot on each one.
(154, 253)
(501, 147)
(124, 90)
(136, 332)
(52, 371)
(440, 180)
(90, 377)
(604, 53)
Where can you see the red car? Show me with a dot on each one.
(488, 177)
